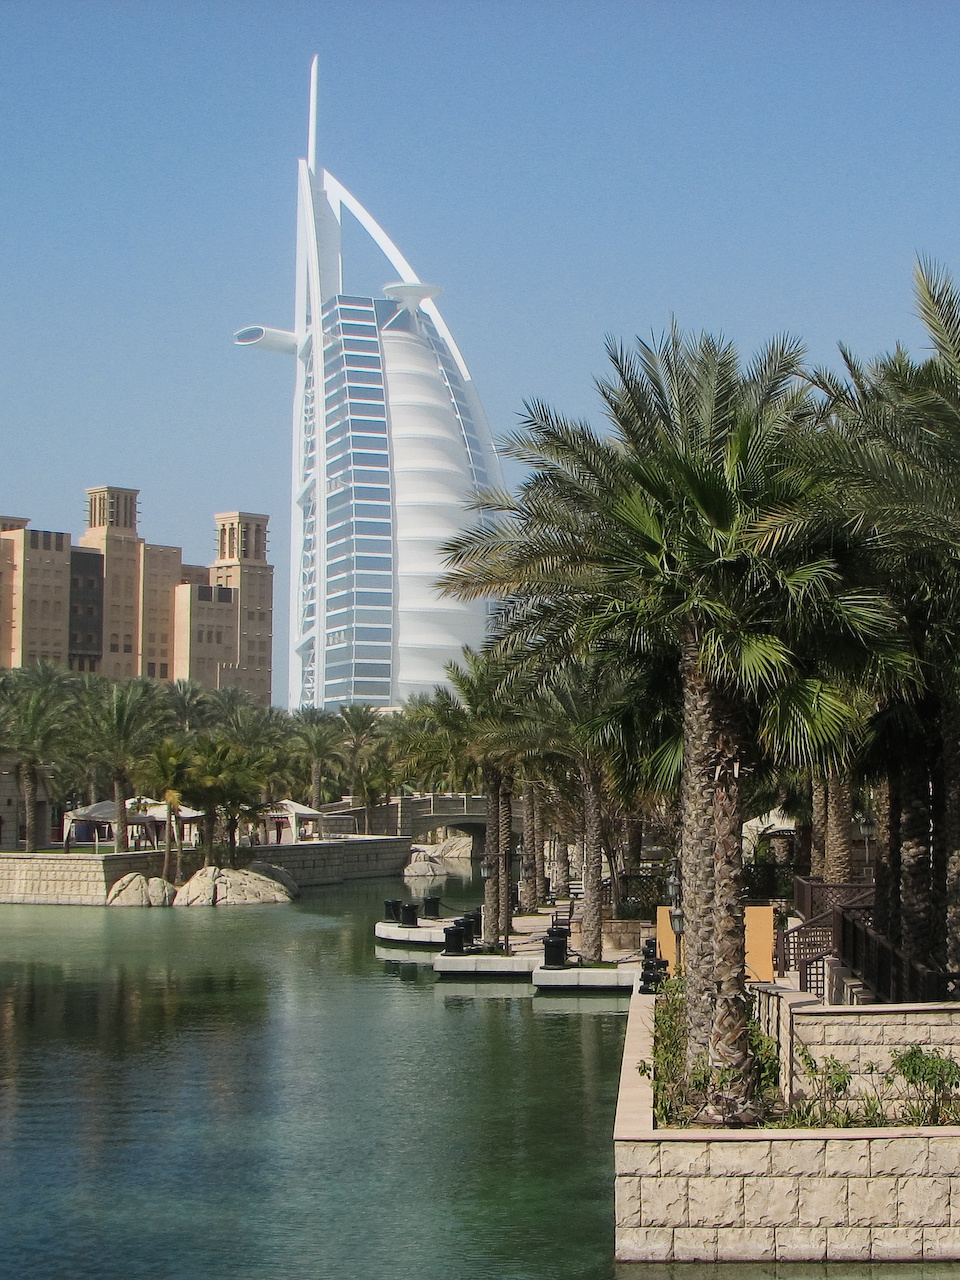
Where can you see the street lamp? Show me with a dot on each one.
(868, 829)
(675, 898)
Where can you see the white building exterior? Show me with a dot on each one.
(390, 443)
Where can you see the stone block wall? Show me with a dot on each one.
(324, 862)
(69, 879)
(858, 1036)
(769, 1195)
(84, 879)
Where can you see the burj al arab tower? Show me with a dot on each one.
(390, 443)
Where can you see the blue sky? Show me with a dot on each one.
(562, 169)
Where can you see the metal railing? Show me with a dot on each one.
(812, 898)
(893, 977)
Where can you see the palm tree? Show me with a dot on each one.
(223, 778)
(190, 704)
(365, 754)
(316, 738)
(35, 708)
(118, 725)
(163, 773)
(660, 522)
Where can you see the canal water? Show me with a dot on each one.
(254, 1093)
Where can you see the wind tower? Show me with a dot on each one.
(390, 444)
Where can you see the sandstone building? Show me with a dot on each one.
(115, 604)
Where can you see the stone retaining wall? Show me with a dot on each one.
(84, 879)
(803, 1195)
(333, 861)
(69, 879)
(858, 1036)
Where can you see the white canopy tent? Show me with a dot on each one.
(290, 823)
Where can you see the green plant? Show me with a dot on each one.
(933, 1085)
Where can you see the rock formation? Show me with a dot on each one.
(280, 874)
(223, 886)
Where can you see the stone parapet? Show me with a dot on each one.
(787, 1195)
(862, 1038)
(82, 879)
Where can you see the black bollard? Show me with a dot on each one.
(391, 910)
(431, 908)
(408, 915)
(468, 925)
(554, 952)
(453, 940)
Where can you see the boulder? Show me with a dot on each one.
(241, 888)
(200, 890)
(225, 887)
(160, 892)
(130, 890)
(280, 874)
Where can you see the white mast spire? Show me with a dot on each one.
(312, 127)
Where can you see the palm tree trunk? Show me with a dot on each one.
(838, 859)
(818, 831)
(591, 938)
(208, 822)
(539, 862)
(28, 782)
(729, 1046)
(939, 856)
(561, 887)
(120, 843)
(528, 876)
(315, 780)
(894, 850)
(505, 852)
(915, 906)
(881, 866)
(950, 713)
(167, 840)
(700, 719)
(179, 835)
(491, 844)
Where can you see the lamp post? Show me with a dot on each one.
(868, 829)
(675, 897)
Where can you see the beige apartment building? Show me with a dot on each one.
(116, 604)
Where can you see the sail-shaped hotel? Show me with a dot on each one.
(390, 443)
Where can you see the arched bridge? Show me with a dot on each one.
(414, 816)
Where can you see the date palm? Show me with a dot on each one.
(658, 523)
(117, 725)
(316, 738)
(35, 718)
(163, 773)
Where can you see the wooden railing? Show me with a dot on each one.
(812, 898)
(892, 976)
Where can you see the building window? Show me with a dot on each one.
(58, 541)
(209, 637)
(151, 669)
(34, 539)
(91, 664)
(115, 646)
(128, 644)
(163, 671)
(219, 637)
(46, 542)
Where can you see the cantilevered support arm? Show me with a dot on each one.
(269, 339)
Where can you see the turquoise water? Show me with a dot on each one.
(253, 1093)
